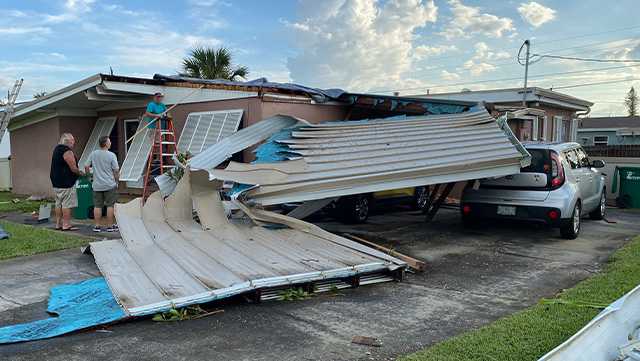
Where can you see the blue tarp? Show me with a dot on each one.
(3, 234)
(77, 306)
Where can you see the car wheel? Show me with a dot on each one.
(598, 213)
(421, 198)
(570, 228)
(354, 209)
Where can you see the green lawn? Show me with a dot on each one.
(7, 205)
(28, 240)
(529, 334)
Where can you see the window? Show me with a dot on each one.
(601, 140)
(557, 131)
(585, 140)
(572, 158)
(583, 159)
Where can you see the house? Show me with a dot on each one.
(558, 122)
(609, 131)
(208, 110)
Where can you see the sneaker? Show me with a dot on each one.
(112, 229)
(97, 229)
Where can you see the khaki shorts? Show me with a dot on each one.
(66, 197)
(104, 198)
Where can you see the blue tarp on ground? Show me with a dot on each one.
(77, 306)
(3, 233)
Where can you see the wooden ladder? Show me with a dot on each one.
(161, 155)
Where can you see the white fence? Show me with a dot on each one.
(5, 174)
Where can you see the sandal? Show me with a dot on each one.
(72, 228)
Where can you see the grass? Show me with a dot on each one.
(529, 334)
(25, 206)
(28, 240)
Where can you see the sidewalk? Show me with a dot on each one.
(85, 226)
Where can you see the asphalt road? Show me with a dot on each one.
(475, 277)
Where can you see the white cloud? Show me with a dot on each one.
(80, 6)
(425, 51)
(15, 30)
(449, 75)
(357, 44)
(469, 20)
(478, 64)
(535, 13)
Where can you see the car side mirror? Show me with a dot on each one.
(597, 163)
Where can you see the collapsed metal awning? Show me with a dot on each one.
(166, 259)
(352, 157)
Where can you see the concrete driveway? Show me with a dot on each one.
(475, 277)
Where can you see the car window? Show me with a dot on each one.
(583, 159)
(540, 161)
(572, 158)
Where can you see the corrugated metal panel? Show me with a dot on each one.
(203, 129)
(242, 139)
(137, 155)
(342, 158)
(165, 259)
(103, 127)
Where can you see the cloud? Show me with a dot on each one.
(425, 51)
(478, 64)
(469, 20)
(357, 44)
(536, 14)
(449, 75)
(14, 30)
(79, 6)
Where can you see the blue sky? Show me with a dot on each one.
(359, 45)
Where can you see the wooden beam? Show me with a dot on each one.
(413, 263)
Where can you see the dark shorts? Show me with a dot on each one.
(104, 198)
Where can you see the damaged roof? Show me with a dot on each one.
(166, 259)
(331, 159)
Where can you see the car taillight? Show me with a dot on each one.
(557, 172)
(466, 209)
(553, 214)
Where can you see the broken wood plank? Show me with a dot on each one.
(415, 264)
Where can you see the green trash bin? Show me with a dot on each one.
(85, 198)
(629, 196)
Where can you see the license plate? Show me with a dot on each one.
(506, 211)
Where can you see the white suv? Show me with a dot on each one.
(559, 187)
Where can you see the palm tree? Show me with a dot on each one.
(210, 63)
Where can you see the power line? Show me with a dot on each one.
(595, 83)
(540, 57)
(507, 79)
(588, 35)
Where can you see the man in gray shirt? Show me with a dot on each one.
(105, 183)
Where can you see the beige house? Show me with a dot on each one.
(112, 105)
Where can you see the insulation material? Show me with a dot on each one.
(341, 158)
(137, 154)
(166, 259)
(103, 127)
(203, 129)
(241, 140)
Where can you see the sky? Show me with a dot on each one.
(409, 46)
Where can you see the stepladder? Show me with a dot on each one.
(161, 157)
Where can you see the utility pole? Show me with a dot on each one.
(526, 72)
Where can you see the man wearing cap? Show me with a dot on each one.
(155, 108)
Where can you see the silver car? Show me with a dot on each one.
(559, 187)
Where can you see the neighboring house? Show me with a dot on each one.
(609, 131)
(557, 123)
(112, 105)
